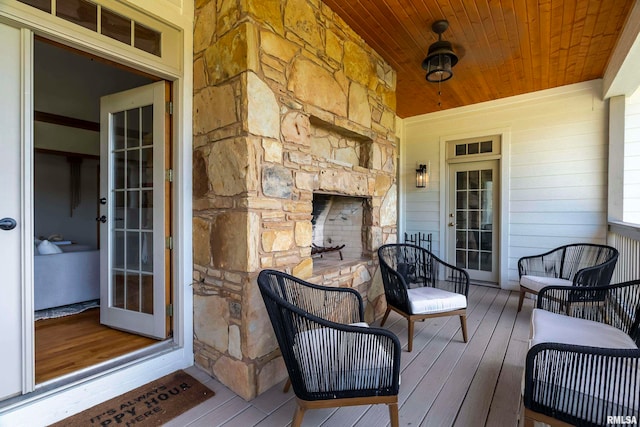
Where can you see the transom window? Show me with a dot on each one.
(103, 21)
(472, 147)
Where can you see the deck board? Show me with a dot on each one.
(417, 363)
(480, 392)
(445, 382)
(431, 384)
(442, 412)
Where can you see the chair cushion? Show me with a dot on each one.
(328, 363)
(535, 283)
(425, 300)
(557, 328)
(567, 382)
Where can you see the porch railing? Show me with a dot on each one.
(625, 238)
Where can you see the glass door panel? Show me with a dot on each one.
(133, 295)
(472, 219)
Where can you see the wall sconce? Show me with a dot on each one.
(422, 176)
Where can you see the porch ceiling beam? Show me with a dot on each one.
(621, 76)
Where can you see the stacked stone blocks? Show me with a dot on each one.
(288, 100)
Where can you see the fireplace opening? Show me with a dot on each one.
(338, 228)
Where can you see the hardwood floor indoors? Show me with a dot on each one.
(445, 382)
(68, 344)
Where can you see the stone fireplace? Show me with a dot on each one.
(290, 106)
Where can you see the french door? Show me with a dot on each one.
(134, 277)
(473, 218)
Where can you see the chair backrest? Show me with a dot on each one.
(395, 263)
(588, 264)
(347, 305)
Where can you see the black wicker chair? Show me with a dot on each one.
(419, 285)
(578, 264)
(333, 358)
(584, 367)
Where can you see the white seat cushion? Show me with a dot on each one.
(552, 327)
(576, 382)
(426, 300)
(330, 351)
(535, 283)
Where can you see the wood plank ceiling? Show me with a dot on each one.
(506, 47)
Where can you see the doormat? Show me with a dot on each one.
(153, 404)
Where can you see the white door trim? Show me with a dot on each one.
(505, 137)
(28, 344)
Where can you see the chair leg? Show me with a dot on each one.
(410, 332)
(521, 300)
(287, 385)
(386, 314)
(393, 414)
(463, 325)
(297, 416)
(528, 422)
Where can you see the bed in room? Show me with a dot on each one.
(68, 277)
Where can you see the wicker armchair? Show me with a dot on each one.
(584, 367)
(419, 285)
(333, 358)
(578, 264)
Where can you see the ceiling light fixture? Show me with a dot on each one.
(440, 58)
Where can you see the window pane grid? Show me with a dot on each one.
(132, 269)
(474, 244)
(113, 25)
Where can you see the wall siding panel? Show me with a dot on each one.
(557, 167)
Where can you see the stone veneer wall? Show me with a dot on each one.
(264, 71)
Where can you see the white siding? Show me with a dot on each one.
(556, 153)
(632, 160)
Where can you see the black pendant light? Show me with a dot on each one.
(441, 57)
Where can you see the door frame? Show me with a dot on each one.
(503, 211)
(55, 400)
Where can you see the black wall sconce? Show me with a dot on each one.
(422, 176)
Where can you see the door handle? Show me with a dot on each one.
(452, 224)
(7, 224)
(102, 219)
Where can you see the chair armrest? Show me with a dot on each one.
(448, 277)
(616, 305)
(582, 385)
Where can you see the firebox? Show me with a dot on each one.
(338, 227)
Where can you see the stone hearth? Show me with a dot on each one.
(288, 102)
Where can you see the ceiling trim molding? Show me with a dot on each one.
(592, 86)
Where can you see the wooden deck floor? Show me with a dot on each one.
(445, 382)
